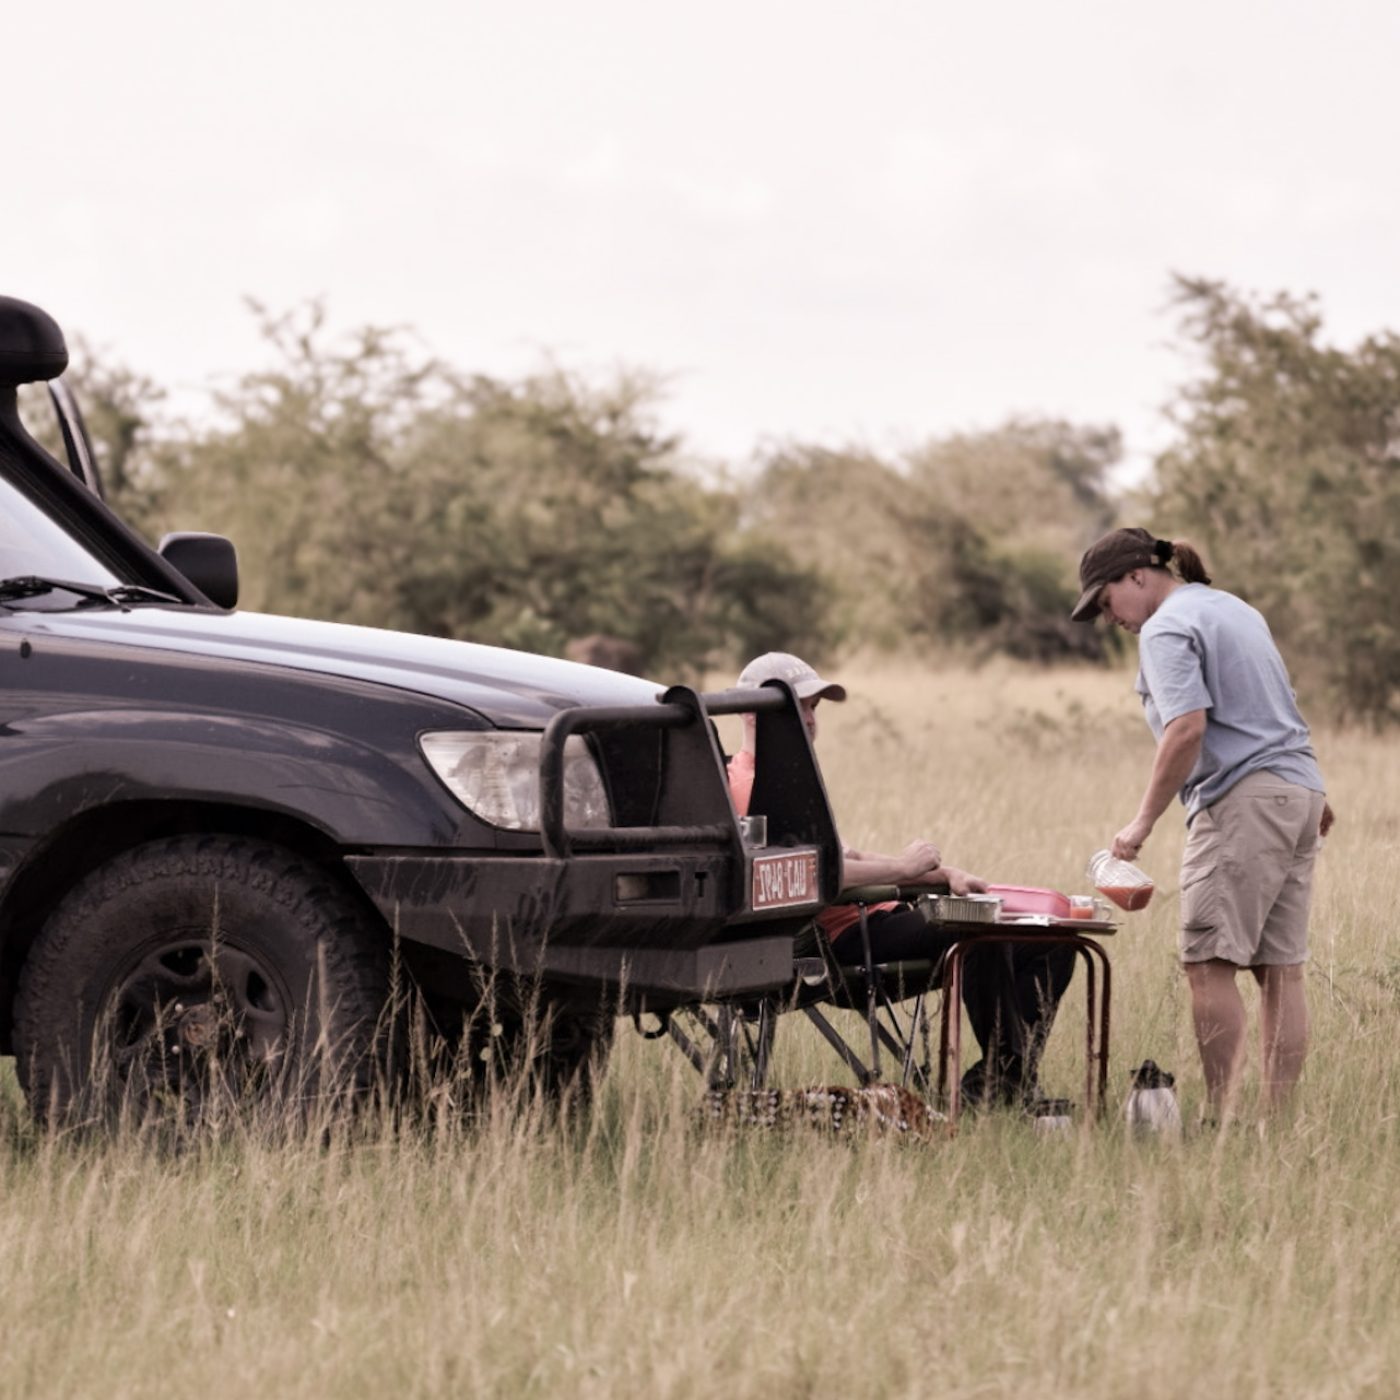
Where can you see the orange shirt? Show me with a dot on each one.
(741, 781)
(838, 917)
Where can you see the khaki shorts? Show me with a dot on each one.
(1246, 874)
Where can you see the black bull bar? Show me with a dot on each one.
(662, 913)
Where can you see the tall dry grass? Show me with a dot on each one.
(631, 1252)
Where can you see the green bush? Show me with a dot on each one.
(1287, 473)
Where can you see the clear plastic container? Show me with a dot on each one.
(1127, 886)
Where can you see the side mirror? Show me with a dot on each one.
(210, 562)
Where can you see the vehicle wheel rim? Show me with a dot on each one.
(193, 1023)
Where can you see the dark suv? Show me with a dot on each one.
(223, 834)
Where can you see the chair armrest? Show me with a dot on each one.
(867, 894)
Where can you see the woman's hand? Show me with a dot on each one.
(1328, 817)
(1131, 839)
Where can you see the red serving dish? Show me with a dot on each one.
(1022, 899)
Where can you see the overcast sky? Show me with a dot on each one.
(835, 222)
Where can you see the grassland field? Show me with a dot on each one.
(633, 1252)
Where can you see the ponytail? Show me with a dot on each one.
(1189, 565)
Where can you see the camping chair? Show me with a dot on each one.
(740, 1035)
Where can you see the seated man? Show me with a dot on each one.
(1010, 990)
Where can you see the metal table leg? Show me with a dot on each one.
(1098, 1000)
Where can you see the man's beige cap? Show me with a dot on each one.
(784, 666)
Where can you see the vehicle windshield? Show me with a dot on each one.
(33, 543)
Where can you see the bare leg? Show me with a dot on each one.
(1283, 1023)
(1219, 1015)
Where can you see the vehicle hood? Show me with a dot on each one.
(511, 689)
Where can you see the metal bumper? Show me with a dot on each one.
(650, 930)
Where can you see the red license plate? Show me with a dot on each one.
(785, 878)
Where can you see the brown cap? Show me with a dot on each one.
(784, 666)
(1119, 552)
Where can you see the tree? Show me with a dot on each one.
(1002, 517)
(578, 517)
(365, 483)
(971, 538)
(1287, 473)
(839, 511)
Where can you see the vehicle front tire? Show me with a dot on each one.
(197, 974)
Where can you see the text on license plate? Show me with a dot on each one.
(784, 878)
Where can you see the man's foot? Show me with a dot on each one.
(1009, 1089)
(1005, 1088)
(973, 1087)
(1036, 1104)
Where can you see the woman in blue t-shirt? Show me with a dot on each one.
(1232, 745)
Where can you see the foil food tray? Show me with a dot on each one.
(964, 908)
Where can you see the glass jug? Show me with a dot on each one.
(1127, 886)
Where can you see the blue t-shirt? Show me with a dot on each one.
(1204, 649)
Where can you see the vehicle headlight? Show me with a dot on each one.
(495, 773)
